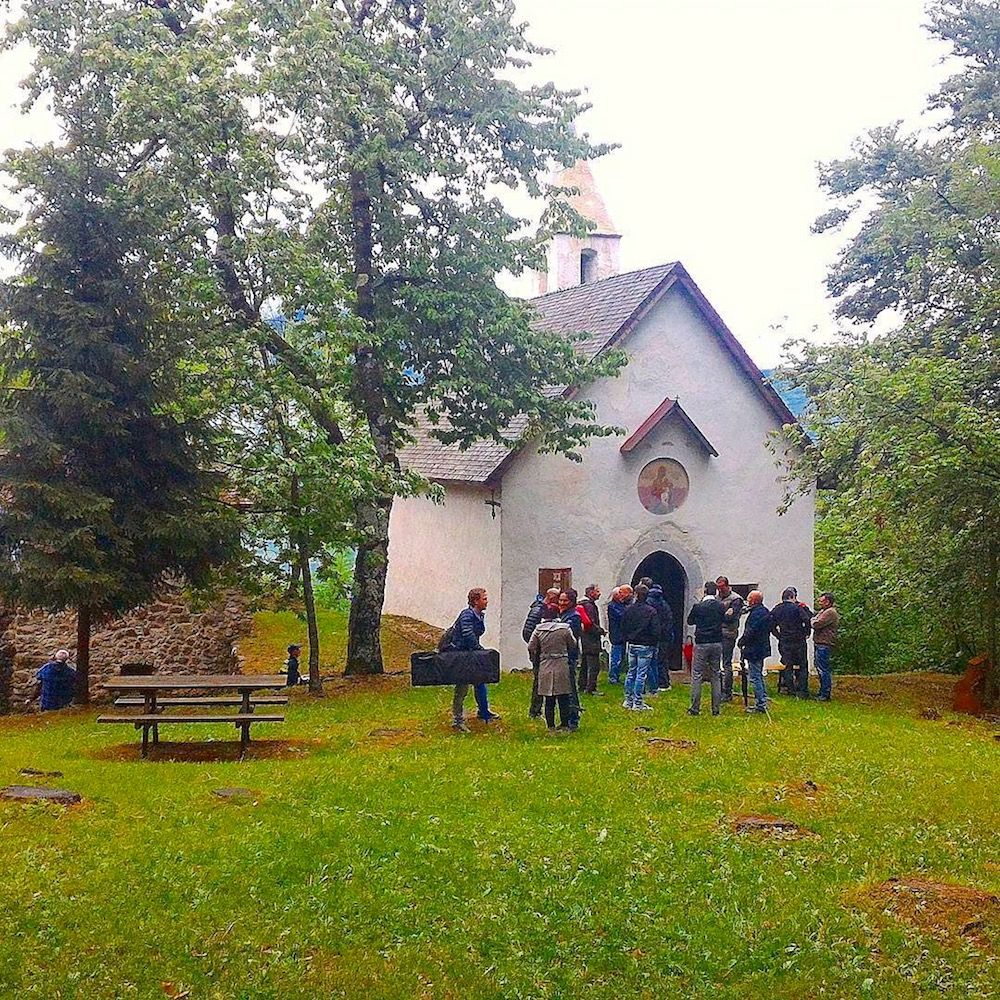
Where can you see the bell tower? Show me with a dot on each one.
(579, 260)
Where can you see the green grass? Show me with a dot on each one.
(265, 650)
(503, 864)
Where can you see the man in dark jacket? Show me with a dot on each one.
(732, 604)
(58, 682)
(468, 629)
(569, 615)
(658, 678)
(590, 642)
(756, 646)
(792, 622)
(707, 616)
(641, 630)
(621, 597)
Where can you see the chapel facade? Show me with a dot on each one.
(690, 492)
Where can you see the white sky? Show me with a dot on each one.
(723, 109)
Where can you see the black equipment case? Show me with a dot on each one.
(476, 666)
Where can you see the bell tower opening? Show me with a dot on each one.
(665, 570)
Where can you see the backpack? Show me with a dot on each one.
(447, 640)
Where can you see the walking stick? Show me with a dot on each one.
(744, 681)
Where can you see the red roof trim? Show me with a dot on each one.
(668, 408)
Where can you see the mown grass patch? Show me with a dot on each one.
(393, 859)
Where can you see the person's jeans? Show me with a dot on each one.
(755, 668)
(482, 702)
(550, 710)
(653, 673)
(728, 646)
(639, 658)
(615, 664)
(706, 664)
(824, 670)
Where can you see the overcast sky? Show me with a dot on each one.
(723, 109)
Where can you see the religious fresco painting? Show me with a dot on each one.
(663, 486)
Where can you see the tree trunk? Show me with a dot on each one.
(83, 621)
(364, 640)
(364, 645)
(315, 683)
(992, 609)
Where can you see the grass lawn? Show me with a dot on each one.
(502, 864)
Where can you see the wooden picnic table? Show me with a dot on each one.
(153, 689)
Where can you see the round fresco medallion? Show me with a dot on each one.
(663, 486)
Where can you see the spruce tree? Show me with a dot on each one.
(103, 466)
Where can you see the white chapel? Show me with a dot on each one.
(689, 493)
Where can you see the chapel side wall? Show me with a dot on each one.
(587, 515)
(438, 552)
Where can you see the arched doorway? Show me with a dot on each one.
(665, 570)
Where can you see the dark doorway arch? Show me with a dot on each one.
(665, 570)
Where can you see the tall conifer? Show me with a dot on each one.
(103, 466)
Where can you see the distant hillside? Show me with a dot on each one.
(795, 399)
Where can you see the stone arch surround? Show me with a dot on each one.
(675, 541)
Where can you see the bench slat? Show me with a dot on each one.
(176, 702)
(162, 719)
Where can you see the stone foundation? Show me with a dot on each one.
(169, 633)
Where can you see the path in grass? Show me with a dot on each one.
(383, 857)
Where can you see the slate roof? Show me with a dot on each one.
(606, 310)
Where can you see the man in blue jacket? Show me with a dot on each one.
(468, 628)
(58, 681)
(756, 646)
(621, 598)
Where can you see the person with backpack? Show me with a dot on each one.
(465, 635)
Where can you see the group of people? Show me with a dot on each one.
(566, 638)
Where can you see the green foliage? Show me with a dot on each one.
(105, 463)
(344, 158)
(504, 864)
(908, 423)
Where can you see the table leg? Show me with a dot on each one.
(152, 711)
(244, 738)
(145, 739)
(246, 708)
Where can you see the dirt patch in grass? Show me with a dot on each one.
(804, 792)
(915, 691)
(774, 827)
(401, 736)
(946, 910)
(209, 751)
(660, 743)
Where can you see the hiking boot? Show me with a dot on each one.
(641, 706)
(691, 711)
(627, 704)
(459, 726)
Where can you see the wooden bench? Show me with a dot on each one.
(205, 702)
(242, 721)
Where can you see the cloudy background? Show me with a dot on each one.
(722, 108)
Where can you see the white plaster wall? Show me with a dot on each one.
(564, 260)
(588, 516)
(439, 552)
